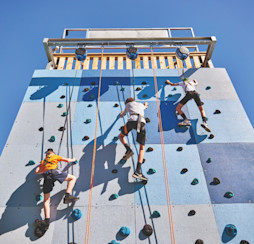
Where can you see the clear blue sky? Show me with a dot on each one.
(24, 24)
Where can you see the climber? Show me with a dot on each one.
(190, 92)
(136, 121)
(49, 169)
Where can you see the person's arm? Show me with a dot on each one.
(195, 82)
(172, 84)
(69, 160)
(123, 113)
(38, 170)
(146, 105)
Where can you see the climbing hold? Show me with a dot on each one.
(244, 242)
(209, 160)
(89, 105)
(122, 89)
(182, 52)
(115, 138)
(192, 213)
(85, 138)
(170, 95)
(202, 103)
(91, 96)
(52, 139)
(174, 89)
(64, 114)
(122, 161)
(231, 230)
(194, 182)
(114, 196)
(149, 149)
(217, 111)
(206, 118)
(179, 149)
(143, 160)
(80, 54)
(40, 129)
(147, 120)
(151, 171)
(145, 96)
(66, 84)
(86, 89)
(62, 97)
(114, 242)
(88, 121)
(208, 88)
(144, 83)
(114, 171)
(125, 231)
(61, 128)
(183, 171)
(216, 181)
(31, 162)
(132, 52)
(144, 182)
(38, 198)
(147, 230)
(211, 136)
(93, 83)
(76, 214)
(229, 194)
(117, 82)
(75, 162)
(116, 105)
(60, 105)
(156, 214)
(199, 241)
(138, 89)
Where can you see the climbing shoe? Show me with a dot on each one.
(186, 122)
(70, 199)
(139, 176)
(128, 154)
(41, 226)
(205, 126)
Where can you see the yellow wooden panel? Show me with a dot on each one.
(69, 63)
(86, 63)
(61, 63)
(137, 63)
(55, 59)
(104, 63)
(128, 63)
(210, 64)
(120, 62)
(111, 62)
(154, 62)
(179, 63)
(145, 62)
(188, 63)
(95, 62)
(170, 62)
(196, 61)
(162, 62)
(78, 64)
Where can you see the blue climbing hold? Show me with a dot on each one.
(52, 139)
(88, 121)
(209, 160)
(156, 214)
(208, 88)
(31, 162)
(114, 242)
(76, 214)
(170, 95)
(174, 89)
(60, 105)
(64, 114)
(75, 162)
(125, 231)
(231, 230)
(145, 96)
(182, 52)
(122, 89)
(229, 194)
(90, 105)
(122, 161)
(80, 54)
(114, 196)
(117, 83)
(151, 171)
(132, 52)
(66, 84)
(91, 96)
(115, 138)
(38, 198)
(195, 181)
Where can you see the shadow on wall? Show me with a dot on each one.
(22, 208)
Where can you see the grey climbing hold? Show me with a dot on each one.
(52, 139)
(156, 214)
(184, 170)
(125, 231)
(195, 181)
(179, 149)
(86, 89)
(85, 138)
(31, 162)
(151, 171)
(209, 160)
(40, 129)
(149, 149)
(199, 241)
(229, 194)
(192, 213)
(231, 230)
(62, 97)
(38, 198)
(147, 230)
(60, 105)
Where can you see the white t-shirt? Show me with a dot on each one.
(188, 85)
(135, 108)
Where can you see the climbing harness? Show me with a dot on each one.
(172, 235)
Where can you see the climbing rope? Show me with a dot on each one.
(88, 220)
(43, 132)
(172, 235)
(133, 78)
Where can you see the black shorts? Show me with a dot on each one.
(189, 95)
(141, 136)
(50, 177)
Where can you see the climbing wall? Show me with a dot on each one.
(228, 156)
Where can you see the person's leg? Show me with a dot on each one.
(124, 132)
(202, 111)
(179, 111)
(71, 179)
(46, 205)
(141, 154)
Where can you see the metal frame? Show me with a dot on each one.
(163, 42)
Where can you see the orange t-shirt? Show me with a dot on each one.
(50, 162)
